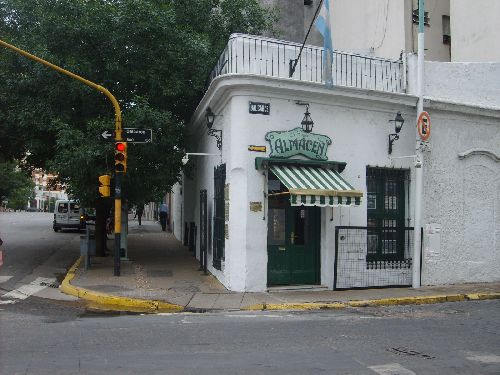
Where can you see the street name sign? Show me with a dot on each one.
(136, 135)
(131, 135)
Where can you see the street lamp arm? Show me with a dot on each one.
(116, 105)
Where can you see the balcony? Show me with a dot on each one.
(247, 54)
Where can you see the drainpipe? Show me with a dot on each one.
(418, 160)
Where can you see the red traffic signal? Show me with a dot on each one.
(120, 146)
(121, 157)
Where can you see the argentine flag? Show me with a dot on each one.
(324, 27)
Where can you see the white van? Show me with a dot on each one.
(68, 215)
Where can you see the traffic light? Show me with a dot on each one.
(104, 182)
(121, 157)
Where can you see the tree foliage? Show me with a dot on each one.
(16, 187)
(153, 55)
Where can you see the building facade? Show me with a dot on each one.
(47, 190)
(456, 30)
(292, 183)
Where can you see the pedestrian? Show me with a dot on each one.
(138, 212)
(1, 253)
(163, 216)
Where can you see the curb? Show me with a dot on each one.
(418, 300)
(105, 301)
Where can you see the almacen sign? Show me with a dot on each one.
(285, 144)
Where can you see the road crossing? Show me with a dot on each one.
(26, 290)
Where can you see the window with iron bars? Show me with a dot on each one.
(387, 209)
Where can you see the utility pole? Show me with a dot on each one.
(118, 137)
(417, 242)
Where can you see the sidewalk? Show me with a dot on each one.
(163, 276)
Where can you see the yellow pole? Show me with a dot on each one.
(118, 122)
(116, 105)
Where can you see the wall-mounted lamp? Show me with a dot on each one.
(307, 122)
(210, 118)
(398, 125)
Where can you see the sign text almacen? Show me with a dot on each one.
(285, 144)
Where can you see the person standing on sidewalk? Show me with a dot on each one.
(163, 216)
(139, 211)
(1, 253)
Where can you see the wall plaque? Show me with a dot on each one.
(256, 206)
(285, 144)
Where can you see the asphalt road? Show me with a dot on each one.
(34, 256)
(452, 338)
(49, 333)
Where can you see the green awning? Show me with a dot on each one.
(316, 186)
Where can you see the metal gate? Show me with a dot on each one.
(372, 257)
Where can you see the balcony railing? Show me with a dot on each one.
(247, 54)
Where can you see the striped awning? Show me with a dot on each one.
(316, 186)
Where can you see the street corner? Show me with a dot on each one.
(102, 301)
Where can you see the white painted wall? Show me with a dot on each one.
(374, 27)
(176, 211)
(462, 196)
(475, 30)
(468, 83)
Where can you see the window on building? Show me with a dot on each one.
(446, 30)
(387, 209)
(219, 215)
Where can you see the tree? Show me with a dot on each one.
(153, 55)
(16, 187)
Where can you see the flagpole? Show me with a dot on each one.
(295, 61)
(417, 239)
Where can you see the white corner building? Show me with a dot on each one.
(292, 183)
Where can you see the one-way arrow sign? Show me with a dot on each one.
(107, 134)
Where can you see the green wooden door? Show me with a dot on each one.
(293, 244)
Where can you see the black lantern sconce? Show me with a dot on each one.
(307, 122)
(398, 125)
(210, 118)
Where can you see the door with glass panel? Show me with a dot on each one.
(292, 239)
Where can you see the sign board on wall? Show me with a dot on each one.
(262, 108)
(285, 144)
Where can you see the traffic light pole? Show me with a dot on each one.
(118, 222)
(118, 137)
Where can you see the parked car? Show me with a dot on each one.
(68, 214)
